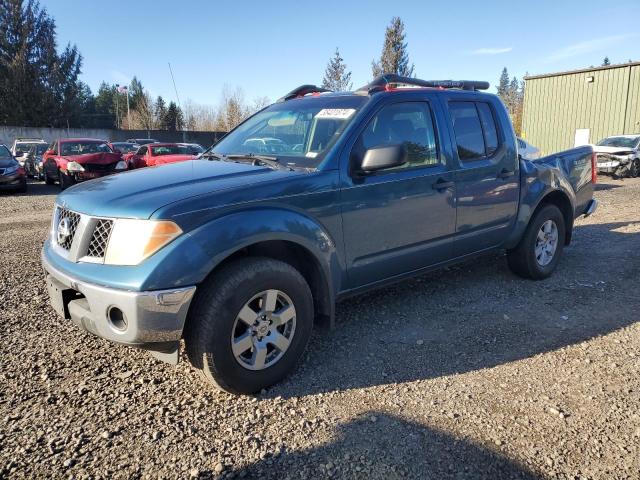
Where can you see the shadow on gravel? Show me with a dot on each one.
(606, 186)
(475, 316)
(383, 446)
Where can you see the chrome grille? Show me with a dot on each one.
(100, 238)
(66, 226)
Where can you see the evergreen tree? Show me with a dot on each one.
(173, 119)
(336, 77)
(136, 92)
(606, 62)
(160, 113)
(395, 57)
(38, 85)
(503, 84)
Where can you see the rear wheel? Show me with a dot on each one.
(540, 248)
(249, 324)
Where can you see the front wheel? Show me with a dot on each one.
(540, 248)
(249, 324)
(634, 168)
(65, 180)
(48, 180)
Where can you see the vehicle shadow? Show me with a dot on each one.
(474, 316)
(382, 446)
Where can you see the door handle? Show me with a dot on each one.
(506, 173)
(441, 184)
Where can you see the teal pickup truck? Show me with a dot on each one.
(317, 197)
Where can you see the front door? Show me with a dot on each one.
(402, 219)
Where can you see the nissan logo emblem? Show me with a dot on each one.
(64, 230)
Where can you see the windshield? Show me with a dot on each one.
(24, 147)
(4, 151)
(39, 149)
(83, 147)
(297, 131)
(125, 147)
(624, 142)
(170, 150)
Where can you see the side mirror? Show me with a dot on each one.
(381, 158)
(49, 152)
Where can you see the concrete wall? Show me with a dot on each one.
(8, 134)
(604, 100)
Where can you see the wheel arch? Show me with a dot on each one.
(560, 200)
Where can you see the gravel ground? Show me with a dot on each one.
(466, 373)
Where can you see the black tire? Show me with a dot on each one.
(66, 181)
(47, 179)
(218, 301)
(634, 168)
(23, 188)
(522, 259)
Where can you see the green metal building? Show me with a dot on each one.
(566, 109)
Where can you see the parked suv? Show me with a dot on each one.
(21, 147)
(241, 255)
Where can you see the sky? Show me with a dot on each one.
(267, 48)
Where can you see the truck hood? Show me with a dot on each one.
(612, 150)
(100, 158)
(139, 193)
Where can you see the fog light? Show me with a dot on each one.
(117, 318)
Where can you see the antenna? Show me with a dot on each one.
(174, 85)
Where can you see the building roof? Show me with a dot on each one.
(583, 70)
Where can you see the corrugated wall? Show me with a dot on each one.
(555, 106)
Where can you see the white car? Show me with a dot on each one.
(528, 151)
(21, 147)
(619, 155)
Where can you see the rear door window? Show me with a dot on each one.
(468, 131)
(488, 128)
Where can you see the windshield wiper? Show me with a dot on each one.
(259, 159)
(215, 156)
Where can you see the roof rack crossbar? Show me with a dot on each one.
(383, 81)
(301, 91)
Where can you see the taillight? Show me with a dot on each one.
(594, 168)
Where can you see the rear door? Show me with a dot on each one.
(395, 221)
(49, 160)
(486, 177)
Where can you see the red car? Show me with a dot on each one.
(72, 160)
(155, 154)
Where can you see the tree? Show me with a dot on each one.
(336, 77)
(136, 92)
(606, 62)
(511, 92)
(173, 119)
(232, 110)
(38, 85)
(395, 57)
(503, 83)
(160, 113)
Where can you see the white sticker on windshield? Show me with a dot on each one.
(311, 154)
(336, 113)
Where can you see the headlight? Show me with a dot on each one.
(74, 167)
(121, 165)
(11, 170)
(132, 241)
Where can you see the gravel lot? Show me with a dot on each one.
(465, 373)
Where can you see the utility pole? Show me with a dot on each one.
(117, 108)
(128, 112)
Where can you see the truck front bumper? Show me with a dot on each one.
(153, 320)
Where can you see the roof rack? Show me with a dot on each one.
(385, 82)
(301, 91)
